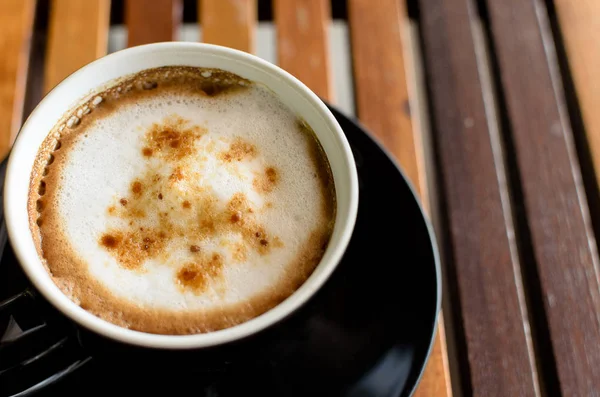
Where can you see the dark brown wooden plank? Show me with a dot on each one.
(151, 21)
(303, 34)
(230, 23)
(481, 256)
(16, 27)
(557, 212)
(77, 35)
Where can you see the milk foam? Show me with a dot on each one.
(107, 156)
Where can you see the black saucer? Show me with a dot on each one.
(368, 332)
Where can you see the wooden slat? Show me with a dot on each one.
(382, 99)
(303, 42)
(579, 25)
(381, 90)
(151, 21)
(436, 378)
(78, 34)
(16, 27)
(481, 254)
(557, 212)
(229, 23)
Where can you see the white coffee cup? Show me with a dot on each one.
(95, 77)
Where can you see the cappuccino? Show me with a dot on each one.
(181, 200)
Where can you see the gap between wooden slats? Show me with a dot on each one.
(379, 35)
(151, 21)
(302, 42)
(556, 207)
(489, 314)
(229, 23)
(78, 34)
(16, 27)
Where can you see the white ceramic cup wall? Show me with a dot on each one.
(94, 78)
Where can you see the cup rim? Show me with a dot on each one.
(192, 341)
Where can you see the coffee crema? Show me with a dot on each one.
(181, 200)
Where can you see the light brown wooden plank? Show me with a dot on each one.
(303, 42)
(383, 106)
(436, 378)
(380, 77)
(151, 21)
(16, 27)
(579, 23)
(78, 34)
(230, 23)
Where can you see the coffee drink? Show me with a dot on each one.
(181, 200)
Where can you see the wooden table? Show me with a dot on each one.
(489, 106)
